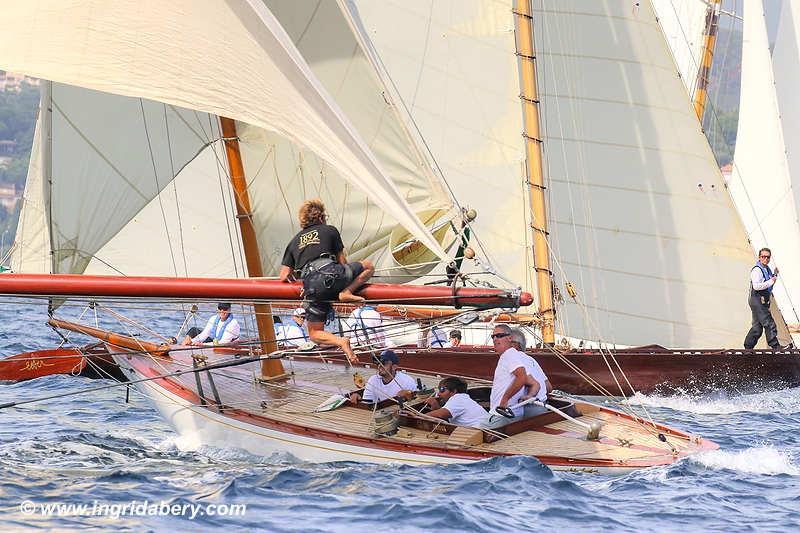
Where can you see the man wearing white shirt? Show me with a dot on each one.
(762, 281)
(364, 324)
(537, 385)
(456, 406)
(510, 375)
(293, 332)
(388, 382)
(221, 328)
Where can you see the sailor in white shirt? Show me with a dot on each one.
(388, 382)
(221, 328)
(293, 332)
(536, 385)
(364, 324)
(510, 374)
(457, 406)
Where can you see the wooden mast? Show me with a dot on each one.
(703, 74)
(270, 368)
(533, 159)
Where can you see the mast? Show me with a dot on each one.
(533, 160)
(710, 38)
(270, 368)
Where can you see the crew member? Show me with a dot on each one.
(455, 338)
(364, 324)
(316, 255)
(456, 406)
(293, 333)
(388, 382)
(762, 281)
(221, 328)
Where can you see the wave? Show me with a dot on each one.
(763, 459)
(773, 402)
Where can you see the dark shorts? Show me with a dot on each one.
(318, 310)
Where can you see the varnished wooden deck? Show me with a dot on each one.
(293, 401)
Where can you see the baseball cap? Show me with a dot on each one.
(299, 312)
(389, 355)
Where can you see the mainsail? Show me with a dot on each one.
(253, 73)
(640, 220)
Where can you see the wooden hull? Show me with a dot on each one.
(92, 361)
(649, 369)
(279, 417)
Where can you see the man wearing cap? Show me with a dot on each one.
(388, 382)
(221, 328)
(293, 332)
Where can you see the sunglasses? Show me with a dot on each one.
(442, 389)
(766, 256)
(499, 335)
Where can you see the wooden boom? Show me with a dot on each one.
(247, 289)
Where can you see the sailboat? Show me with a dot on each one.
(262, 67)
(629, 175)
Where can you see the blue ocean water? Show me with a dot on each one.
(96, 450)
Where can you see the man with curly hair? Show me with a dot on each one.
(316, 255)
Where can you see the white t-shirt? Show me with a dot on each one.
(292, 334)
(377, 390)
(364, 324)
(509, 361)
(532, 368)
(465, 411)
(229, 334)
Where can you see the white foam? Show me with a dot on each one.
(763, 459)
(775, 402)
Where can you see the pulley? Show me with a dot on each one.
(571, 290)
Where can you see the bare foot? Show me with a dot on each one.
(351, 357)
(349, 297)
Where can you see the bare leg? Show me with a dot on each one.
(187, 340)
(347, 294)
(320, 336)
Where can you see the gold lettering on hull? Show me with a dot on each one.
(35, 364)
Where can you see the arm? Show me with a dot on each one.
(756, 278)
(519, 381)
(206, 333)
(341, 258)
(286, 274)
(442, 413)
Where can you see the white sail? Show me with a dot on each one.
(454, 65)
(760, 182)
(282, 174)
(31, 249)
(640, 219)
(252, 73)
(785, 61)
(684, 23)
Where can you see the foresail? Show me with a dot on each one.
(760, 182)
(281, 174)
(31, 248)
(228, 59)
(454, 65)
(640, 220)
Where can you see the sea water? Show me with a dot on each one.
(93, 460)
